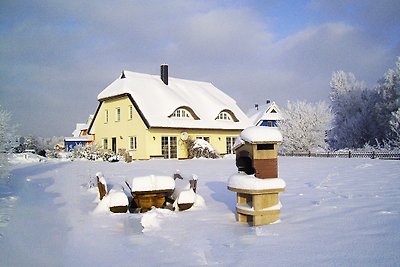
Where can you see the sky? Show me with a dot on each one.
(57, 56)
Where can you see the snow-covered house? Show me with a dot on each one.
(153, 115)
(80, 135)
(265, 115)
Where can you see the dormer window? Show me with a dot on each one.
(184, 113)
(181, 113)
(226, 115)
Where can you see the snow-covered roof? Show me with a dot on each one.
(264, 112)
(257, 134)
(83, 138)
(157, 101)
(82, 126)
(79, 127)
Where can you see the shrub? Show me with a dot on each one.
(200, 148)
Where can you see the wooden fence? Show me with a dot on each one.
(346, 154)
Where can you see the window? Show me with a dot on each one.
(106, 116)
(269, 123)
(117, 114)
(230, 142)
(205, 138)
(130, 115)
(224, 116)
(265, 146)
(105, 143)
(132, 143)
(169, 147)
(181, 113)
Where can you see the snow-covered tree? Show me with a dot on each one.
(304, 127)
(388, 103)
(395, 128)
(352, 104)
(6, 134)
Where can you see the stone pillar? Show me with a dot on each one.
(257, 184)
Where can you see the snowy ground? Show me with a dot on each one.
(336, 212)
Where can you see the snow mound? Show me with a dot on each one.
(25, 158)
(118, 198)
(187, 196)
(114, 198)
(250, 182)
(152, 219)
(203, 144)
(152, 182)
(257, 134)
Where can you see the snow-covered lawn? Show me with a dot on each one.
(336, 212)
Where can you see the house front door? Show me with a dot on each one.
(114, 145)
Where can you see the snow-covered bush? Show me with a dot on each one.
(201, 148)
(91, 152)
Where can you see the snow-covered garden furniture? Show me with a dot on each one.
(184, 195)
(118, 201)
(257, 184)
(101, 184)
(151, 191)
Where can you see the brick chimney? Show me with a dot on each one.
(164, 73)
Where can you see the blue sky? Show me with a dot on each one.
(57, 56)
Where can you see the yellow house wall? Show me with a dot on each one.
(217, 139)
(148, 140)
(123, 129)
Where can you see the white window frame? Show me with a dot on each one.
(224, 116)
(117, 114)
(205, 138)
(132, 142)
(130, 115)
(230, 142)
(106, 116)
(182, 114)
(105, 143)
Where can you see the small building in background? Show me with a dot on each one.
(79, 136)
(265, 115)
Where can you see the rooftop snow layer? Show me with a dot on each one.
(263, 112)
(157, 101)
